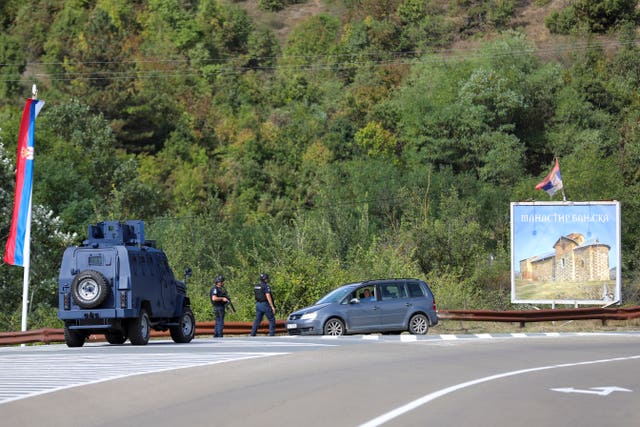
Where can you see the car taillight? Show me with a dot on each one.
(67, 301)
(435, 307)
(123, 299)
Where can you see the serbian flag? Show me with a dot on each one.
(14, 251)
(553, 182)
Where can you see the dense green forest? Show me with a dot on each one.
(363, 139)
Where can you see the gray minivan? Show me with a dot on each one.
(382, 305)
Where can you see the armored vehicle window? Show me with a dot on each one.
(150, 263)
(143, 265)
(95, 260)
(134, 264)
(167, 268)
(162, 267)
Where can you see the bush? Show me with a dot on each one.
(501, 12)
(272, 5)
(596, 16)
(602, 16)
(561, 22)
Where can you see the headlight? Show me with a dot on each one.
(309, 316)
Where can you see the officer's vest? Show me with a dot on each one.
(259, 293)
(221, 293)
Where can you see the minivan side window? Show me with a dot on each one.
(415, 290)
(385, 291)
(392, 291)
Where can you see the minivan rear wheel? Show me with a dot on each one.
(418, 324)
(334, 327)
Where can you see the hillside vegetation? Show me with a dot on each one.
(323, 141)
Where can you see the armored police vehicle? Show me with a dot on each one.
(120, 285)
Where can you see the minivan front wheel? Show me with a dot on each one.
(418, 324)
(334, 327)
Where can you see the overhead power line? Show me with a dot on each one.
(167, 68)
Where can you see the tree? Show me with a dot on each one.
(453, 241)
(12, 64)
(601, 16)
(312, 42)
(594, 15)
(99, 67)
(376, 140)
(77, 162)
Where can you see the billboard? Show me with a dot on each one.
(565, 252)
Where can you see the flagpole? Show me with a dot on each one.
(553, 182)
(564, 197)
(27, 248)
(27, 263)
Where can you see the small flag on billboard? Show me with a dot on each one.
(553, 182)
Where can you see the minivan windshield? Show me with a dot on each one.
(336, 295)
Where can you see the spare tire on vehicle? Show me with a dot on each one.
(90, 288)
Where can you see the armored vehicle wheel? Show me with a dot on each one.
(140, 329)
(89, 288)
(115, 337)
(184, 332)
(74, 338)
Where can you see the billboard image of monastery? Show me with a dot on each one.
(565, 252)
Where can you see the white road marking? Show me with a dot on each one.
(448, 337)
(484, 336)
(31, 371)
(599, 391)
(432, 396)
(35, 374)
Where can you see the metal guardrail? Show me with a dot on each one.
(525, 316)
(52, 335)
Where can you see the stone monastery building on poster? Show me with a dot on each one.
(573, 260)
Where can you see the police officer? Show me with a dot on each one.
(264, 305)
(219, 299)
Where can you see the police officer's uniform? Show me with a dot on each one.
(263, 307)
(218, 307)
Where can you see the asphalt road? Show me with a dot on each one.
(540, 380)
